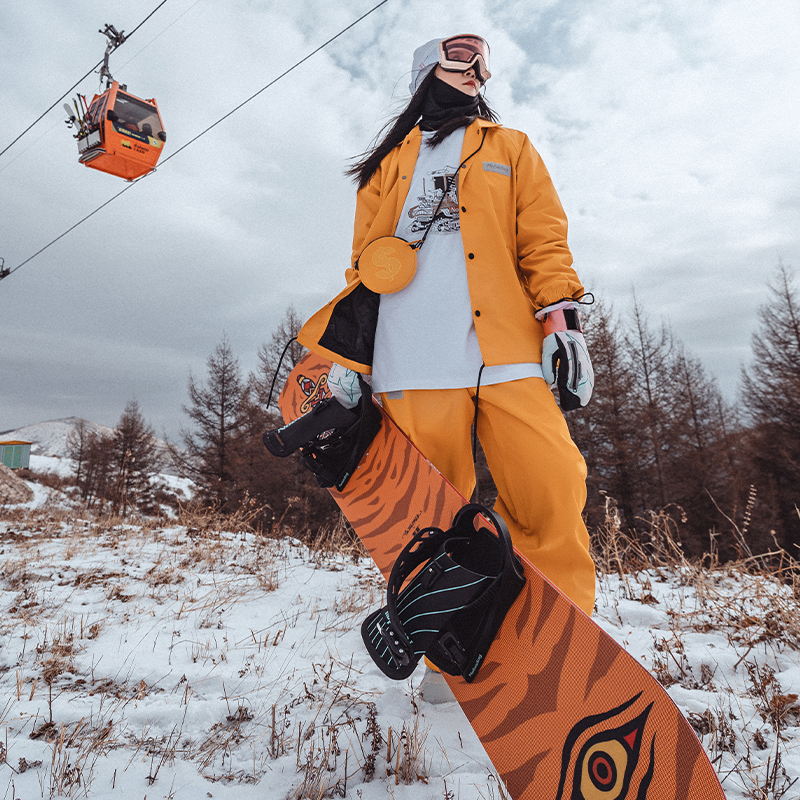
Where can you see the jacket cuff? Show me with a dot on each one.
(556, 292)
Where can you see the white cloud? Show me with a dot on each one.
(670, 130)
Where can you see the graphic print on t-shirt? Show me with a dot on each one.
(434, 185)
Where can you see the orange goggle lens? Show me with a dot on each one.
(461, 52)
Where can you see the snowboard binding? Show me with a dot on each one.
(454, 604)
(332, 439)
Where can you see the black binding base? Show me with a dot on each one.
(329, 415)
(332, 438)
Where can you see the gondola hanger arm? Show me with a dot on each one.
(115, 39)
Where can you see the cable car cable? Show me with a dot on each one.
(98, 64)
(8, 272)
(21, 153)
(275, 80)
(161, 33)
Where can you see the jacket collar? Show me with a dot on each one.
(485, 123)
(477, 125)
(409, 150)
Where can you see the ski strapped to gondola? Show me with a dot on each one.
(462, 583)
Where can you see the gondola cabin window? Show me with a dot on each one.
(137, 118)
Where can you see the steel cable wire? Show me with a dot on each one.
(99, 63)
(195, 138)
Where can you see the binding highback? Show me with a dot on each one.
(447, 596)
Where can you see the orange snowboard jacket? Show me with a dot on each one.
(514, 232)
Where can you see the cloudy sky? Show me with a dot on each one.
(671, 130)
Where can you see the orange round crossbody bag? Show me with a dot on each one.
(388, 264)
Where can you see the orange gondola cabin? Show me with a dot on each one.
(121, 134)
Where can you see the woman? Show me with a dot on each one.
(493, 268)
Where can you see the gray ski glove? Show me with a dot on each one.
(343, 385)
(565, 359)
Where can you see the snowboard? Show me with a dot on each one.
(563, 711)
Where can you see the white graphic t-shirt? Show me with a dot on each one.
(425, 337)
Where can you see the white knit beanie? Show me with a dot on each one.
(425, 59)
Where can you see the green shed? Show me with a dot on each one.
(15, 454)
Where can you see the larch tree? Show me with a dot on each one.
(136, 461)
(771, 398)
(277, 358)
(77, 445)
(650, 356)
(700, 459)
(216, 409)
(603, 430)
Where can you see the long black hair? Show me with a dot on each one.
(399, 127)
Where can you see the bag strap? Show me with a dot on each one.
(418, 244)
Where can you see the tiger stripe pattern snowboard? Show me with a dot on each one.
(563, 711)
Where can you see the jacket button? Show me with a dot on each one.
(464, 209)
(471, 255)
(404, 177)
(477, 313)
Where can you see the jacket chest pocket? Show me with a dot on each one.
(494, 190)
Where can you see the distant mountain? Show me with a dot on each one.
(50, 438)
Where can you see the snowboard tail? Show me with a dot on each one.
(563, 711)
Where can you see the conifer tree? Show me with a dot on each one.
(95, 482)
(136, 461)
(700, 461)
(771, 398)
(603, 430)
(654, 435)
(216, 409)
(288, 491)
(77, 445)
(650, 354)
(272, 372)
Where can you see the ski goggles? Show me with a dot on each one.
(459, 53)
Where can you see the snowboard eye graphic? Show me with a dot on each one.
(603, 773)
(607, 757)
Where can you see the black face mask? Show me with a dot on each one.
(444, 103)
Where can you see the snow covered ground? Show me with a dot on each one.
(182, 488)
(138, 660)
(59, 465)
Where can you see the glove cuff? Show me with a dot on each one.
(561, 316)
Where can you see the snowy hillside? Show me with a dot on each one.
(50, 438)
(185, 662)
(50, 443)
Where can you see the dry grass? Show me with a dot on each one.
(753, 603)
(329, 731)
(196, 568)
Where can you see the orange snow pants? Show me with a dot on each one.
(539, 472)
